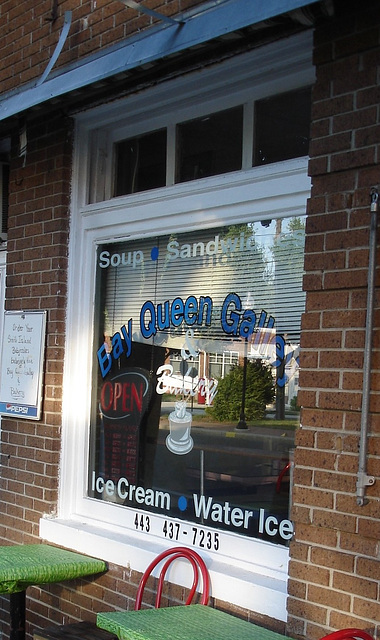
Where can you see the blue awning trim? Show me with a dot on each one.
(152, 45)
(58, 48)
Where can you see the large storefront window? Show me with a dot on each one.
(195, 377)
(183, 323)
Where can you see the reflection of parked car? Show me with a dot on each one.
(229, 463)
(228, 472)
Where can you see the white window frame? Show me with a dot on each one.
(246, 572)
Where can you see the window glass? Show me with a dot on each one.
(5, 146)
(141, 163)
(210, 145)
(196, 355)
(282, 125)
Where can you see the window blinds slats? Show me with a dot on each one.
(263, 267)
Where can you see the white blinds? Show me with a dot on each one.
(262, 266)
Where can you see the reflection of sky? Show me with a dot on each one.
(265, 235)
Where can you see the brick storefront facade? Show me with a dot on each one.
(335, 554)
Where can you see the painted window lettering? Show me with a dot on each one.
(130, 493)
(197, 344)
(218, 245)
(133, 259)
(174, 314)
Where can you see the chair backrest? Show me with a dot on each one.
(169, 556)
(348, 634)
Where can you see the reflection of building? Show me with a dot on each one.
(220, 364)
(98, 179)
(212, 365)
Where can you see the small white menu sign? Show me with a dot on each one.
(21, 370)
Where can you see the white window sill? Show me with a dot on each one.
(231, 583)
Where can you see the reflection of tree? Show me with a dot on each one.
(223, 260)
(248, 269)
(246, 272)
(258, 393)
(288, 258)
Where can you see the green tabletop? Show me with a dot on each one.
(25, 565)
(193, 622)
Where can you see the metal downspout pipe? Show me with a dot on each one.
(363, 479)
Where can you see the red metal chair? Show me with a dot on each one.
(348, 634)
(170, 555)
(281, 475)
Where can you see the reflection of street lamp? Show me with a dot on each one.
(242, 423)
(280, 391)
(192, 372)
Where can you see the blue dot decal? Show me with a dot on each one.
(154, 253)
(182, 503)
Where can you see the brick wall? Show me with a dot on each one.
(334, 571)
(29, 33)
(36, 279)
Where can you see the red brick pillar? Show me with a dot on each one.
(334, 567)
